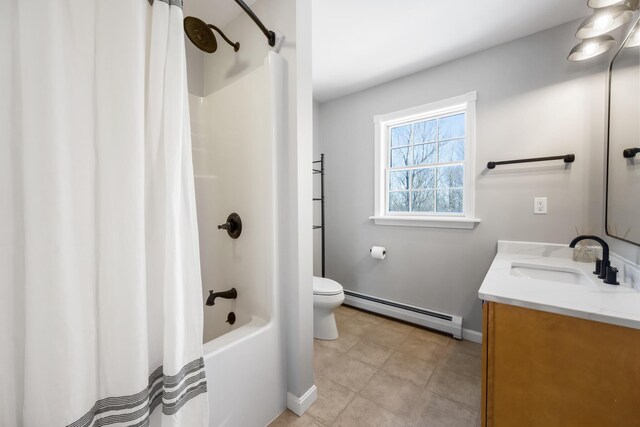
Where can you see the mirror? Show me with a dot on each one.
(623, 160)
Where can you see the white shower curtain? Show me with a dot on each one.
(100, 292)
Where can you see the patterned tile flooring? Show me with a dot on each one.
(385, 373)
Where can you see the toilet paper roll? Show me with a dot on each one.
(378, 252)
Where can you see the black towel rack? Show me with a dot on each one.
(568, 158)
(630, 153)
(321, 200)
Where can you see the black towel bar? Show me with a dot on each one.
(568, 158)
(630, 153)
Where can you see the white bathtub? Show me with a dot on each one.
(236, 131)
(244, 375)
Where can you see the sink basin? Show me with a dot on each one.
(549, 273)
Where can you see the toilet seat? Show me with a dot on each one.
(326, 287)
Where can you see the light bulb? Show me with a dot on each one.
(603, 22)
(590, 49)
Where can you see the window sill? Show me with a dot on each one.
(429, 222)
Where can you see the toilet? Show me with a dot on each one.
(327, 296)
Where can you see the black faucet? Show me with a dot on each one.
(230, 294)
(603, 265)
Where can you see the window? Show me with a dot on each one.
(424, 165)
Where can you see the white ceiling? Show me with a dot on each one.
(361, 43)
(215, 12)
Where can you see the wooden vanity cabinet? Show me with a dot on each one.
(544, 369)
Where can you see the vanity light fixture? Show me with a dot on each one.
(591, 47)
(604, 20)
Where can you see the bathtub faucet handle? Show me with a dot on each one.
(233, 226)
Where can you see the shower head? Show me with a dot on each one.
(200, 33)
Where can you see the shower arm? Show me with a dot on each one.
(270, 35)
(236, 45)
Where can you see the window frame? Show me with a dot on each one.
(383, 123)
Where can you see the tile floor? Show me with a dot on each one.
(385, 373)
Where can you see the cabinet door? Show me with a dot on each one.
(484, 416)
(544, 369)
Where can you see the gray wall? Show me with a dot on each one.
(531, 102)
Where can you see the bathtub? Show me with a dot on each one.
(236, 131)
(244, 375)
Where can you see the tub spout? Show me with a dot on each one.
(230, 294)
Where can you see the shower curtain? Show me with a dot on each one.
(100, 292)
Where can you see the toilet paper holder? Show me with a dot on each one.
(378, 252)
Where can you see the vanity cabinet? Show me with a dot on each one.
(544, 369)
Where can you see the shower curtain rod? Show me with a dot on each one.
(270, 35)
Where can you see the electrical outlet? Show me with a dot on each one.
(540, 205)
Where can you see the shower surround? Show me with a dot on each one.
(238, 146)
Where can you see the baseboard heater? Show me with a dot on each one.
(409, 313)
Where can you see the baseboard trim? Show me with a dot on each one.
(471, 335)
(299, 405)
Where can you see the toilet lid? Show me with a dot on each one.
(324, 286)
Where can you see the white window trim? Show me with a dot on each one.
(383, 122)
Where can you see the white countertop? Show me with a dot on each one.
(592, 300)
